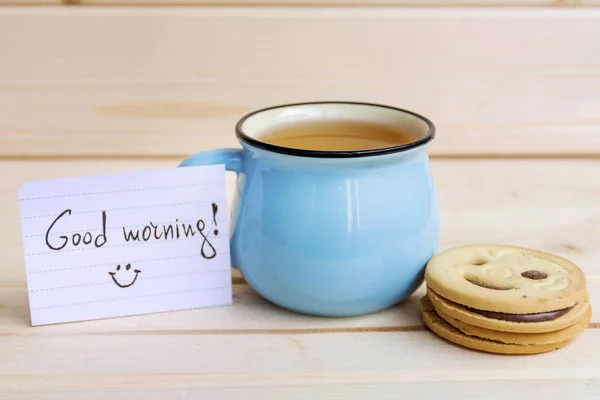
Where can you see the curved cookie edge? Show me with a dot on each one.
(443, 329)
(461, 313)
(570, 332)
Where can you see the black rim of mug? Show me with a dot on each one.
(334, 154)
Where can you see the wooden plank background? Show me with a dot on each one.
(167, 81)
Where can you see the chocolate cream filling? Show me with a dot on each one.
(535, 317)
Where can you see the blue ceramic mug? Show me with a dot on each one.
(331, 233)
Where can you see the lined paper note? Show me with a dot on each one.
(125, 244)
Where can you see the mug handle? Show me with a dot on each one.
(232, 158)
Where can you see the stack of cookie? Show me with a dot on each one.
(505, 299)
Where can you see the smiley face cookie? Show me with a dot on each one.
(506, 279)
(505, 299)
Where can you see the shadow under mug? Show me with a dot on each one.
(331, 233)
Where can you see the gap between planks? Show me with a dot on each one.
(237, 332)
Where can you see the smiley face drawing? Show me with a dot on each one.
(127, 268)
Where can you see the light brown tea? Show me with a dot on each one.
(337, 135)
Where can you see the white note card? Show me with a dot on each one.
(126, 244)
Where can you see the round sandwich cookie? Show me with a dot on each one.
(519, 338)
(504, 322)
(442, 328)
(507, 280)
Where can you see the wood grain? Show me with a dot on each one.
(170, 81)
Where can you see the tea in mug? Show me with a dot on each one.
(337, 135)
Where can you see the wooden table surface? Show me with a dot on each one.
(514, 93)
(255, 348)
